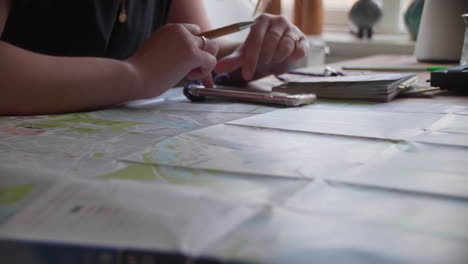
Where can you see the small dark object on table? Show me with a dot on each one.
(454, 79)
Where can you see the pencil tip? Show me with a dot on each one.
(247, 24)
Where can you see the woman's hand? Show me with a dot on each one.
(272, 46)
(172, 53)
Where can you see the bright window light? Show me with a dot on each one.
(338, 4)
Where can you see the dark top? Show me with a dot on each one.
(83, 27)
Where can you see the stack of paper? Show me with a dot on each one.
(376, 87)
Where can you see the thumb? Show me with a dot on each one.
(192, 28)
(229, 64)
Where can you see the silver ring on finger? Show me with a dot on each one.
(294, 38)
(205, 43)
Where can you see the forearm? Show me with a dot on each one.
(33, 83)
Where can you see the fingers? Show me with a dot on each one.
(292, 47)
(207, 45)
(286, 47)
(208, 81)
(253, 45)
(203, 74)
(272, 41)
(301, 50)
(229, 63)
(273, 37)
(204, 71)
(206, 64)
(206, 58)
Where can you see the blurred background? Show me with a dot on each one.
(327, 24)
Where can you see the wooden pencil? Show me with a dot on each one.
(219, 32)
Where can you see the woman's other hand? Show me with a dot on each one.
(272, 46)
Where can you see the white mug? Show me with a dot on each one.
(441, 32)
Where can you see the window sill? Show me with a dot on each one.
(344, 45)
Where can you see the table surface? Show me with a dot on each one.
(341, 181)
